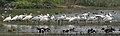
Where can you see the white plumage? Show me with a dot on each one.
(44, 19)
(108, 18)
(91, 18)
(61, 17)
(27, 17)
(7, 19)
(72, 18)
(20, 17)
(52, 17)
(36, 18)
(15, 18)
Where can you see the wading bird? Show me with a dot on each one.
(20, 17)
(8, 19)
(28, 17)
(15, 18)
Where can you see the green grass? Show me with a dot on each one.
(57, 10)
(100, 3)
(35, 11)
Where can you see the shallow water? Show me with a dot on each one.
(18, 34)
(58, 29)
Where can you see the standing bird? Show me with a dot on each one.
(36, 18)
(7, 19)
(15, 18)
(44, 19)
(20, 17)
(73, 18)
(28, 17)
(110, 14)
(86, 14)
(108, 18)
(52, 17)
(91, 18)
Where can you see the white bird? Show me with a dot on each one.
(67, 18)
(95, 17)
(84, 17)
(108, 18)
(48, 14)
(36, 18)
(72, 18)
(20, 17)
(91, 18)
(110, 14)
(44, 19)
(45, 16)
(61, 17)
(7, 19)
(52, 17)
(15, 18)
(27, 17)
(102, 16)
(86, 14)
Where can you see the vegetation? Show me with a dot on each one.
(34, 3)
(101, 3)
(43, 3)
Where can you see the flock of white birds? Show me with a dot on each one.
(85, 16)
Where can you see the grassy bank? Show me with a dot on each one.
(58, 10)
(34, 11)
(53, 3)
